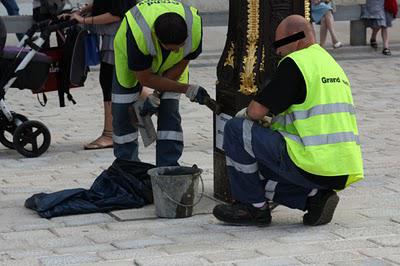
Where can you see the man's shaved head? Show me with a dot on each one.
(291, 25)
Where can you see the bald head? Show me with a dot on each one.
(291, 25)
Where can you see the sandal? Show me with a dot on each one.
(103, 142)
(337, 45)
(373, 44)
(386, 51)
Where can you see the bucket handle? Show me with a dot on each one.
(180, 204)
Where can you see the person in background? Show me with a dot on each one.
(104, 19)
(379, 15)
(12, 10)
(321, 12)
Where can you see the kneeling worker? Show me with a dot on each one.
(153, 46)
(312, 145)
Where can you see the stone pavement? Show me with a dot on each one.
(365, 229)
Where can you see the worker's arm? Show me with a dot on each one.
(175, 72)
(160, 83)
(105, 18)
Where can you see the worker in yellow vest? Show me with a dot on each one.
(312, 146)
(153, 47)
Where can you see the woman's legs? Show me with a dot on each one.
(385, 37)
(331, 27)
(105, 139)
(322, 32)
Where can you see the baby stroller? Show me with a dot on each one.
(24, 67)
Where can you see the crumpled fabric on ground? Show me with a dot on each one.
(123, 185)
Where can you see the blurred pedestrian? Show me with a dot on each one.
(379, 15)
(104, 19)
(322, 14)
(12, 10)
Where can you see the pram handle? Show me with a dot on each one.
(49, 26)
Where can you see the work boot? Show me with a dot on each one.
(320, 208)
(243, 214)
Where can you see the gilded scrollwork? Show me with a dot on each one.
(307, 10)
(230, 59)
(262, 64)
(248, 77)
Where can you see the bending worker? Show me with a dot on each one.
(153, 47)
(312, 145)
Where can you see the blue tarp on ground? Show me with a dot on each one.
(122, 186)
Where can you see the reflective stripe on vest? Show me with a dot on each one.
(324, 138)
(322, 109)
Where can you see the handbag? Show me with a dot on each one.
(92, 51)
(391, 6)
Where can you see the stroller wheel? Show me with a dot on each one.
(31, 139)
(7, 133)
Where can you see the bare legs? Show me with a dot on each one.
(327, 25)
(385, 39)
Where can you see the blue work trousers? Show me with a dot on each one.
(169, 144)
(260, 168)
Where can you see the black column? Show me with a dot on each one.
(247, 62)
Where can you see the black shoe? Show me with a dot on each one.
(386, 51)
(243, 214)
(320, 208)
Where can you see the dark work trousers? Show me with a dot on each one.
(260, 168)
(169, 145)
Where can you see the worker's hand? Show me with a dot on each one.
(150, 105)
(197, 94)
(266, 121)
(242, 113)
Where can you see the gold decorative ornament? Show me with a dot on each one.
(307, 10)
(262, 64)
(230, 59)
(248, 76)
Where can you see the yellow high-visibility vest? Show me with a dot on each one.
(321, 134)
(140, 19)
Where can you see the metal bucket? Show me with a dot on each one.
(175, 189)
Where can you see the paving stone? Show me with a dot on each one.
(347, 245)
(231, 256)
(84, 249)
(171, 261)
(22, 262)
(131, 253)
(380, 252)
(114, 236)
(262, 261)
(394, 258)
(306, 237)
(390, 241)
(193, 248)
(329, 257)
(68, 259)
(84, 219)
(199, 238)
(30, 253)
(364, 262)
(141, 243)
(61, 242)
(110, 263)
(79, 230)
(28, 235)
(362, 232)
